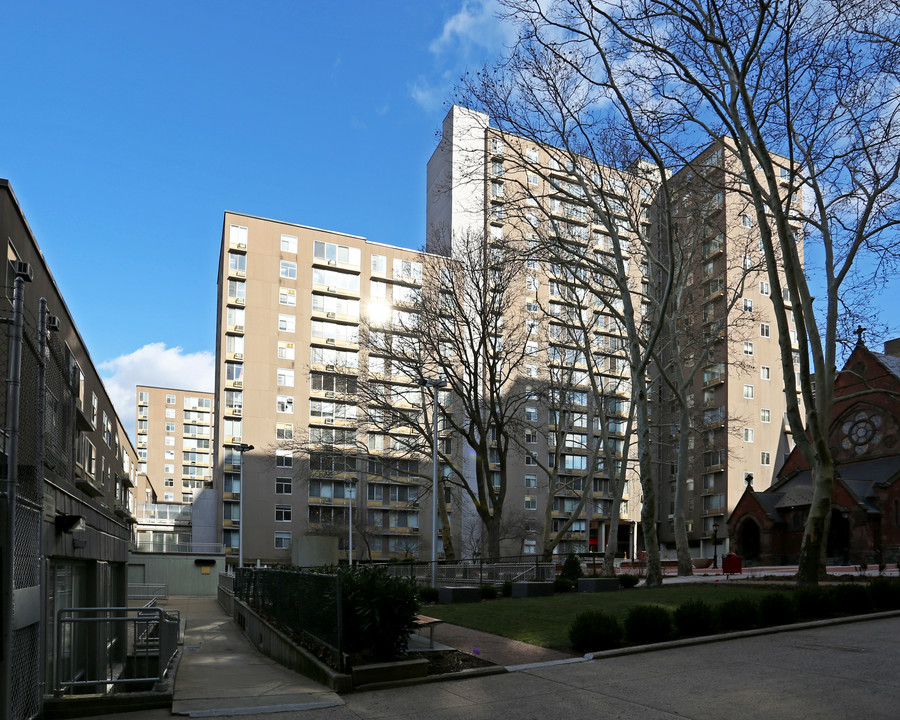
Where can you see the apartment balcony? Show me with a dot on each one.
(236, 496)
(235, 410)
(239, 246)
(163, 514)
(231, 467)
(230, 440)
(87, 483)
(235, 329)
(231, 523)
(714, 289)
(237, 384)
(233, 273)
(711, 248)
(239, 301)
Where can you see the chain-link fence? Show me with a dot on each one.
(24, 699)
(306, 605)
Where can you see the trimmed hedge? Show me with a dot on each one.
(627, 581)
(777, 609)
(595, 630)
(488, 592)
(694, 618)
(737, 614)
(646, 624)
(563, 585)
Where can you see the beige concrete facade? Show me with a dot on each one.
(175, 449)
(288, 358)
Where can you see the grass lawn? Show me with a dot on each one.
(545, 621)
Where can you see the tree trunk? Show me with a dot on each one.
(812, 552)
(685, 566)
(447, 535)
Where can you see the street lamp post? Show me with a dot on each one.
(436, 384)
(242, 448)
(715, 545)
(351, 486)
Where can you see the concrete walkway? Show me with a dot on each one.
(221, 673)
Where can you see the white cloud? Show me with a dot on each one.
(472, 36)
(154, 364)
(476, 26)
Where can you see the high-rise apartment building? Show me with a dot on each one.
(175, 451)
(308, 321)
(288, 363)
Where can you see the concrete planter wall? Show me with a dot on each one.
(531, 589)
(600, 584)
(459, 594)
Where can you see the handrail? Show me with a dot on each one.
(153, 633)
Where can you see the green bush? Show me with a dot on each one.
(506, 588)
(571, 569)
(737, 614)
(814, 603)
(852, 599)
(429, 595)
(694, 617)
(777, 609)
(646, 624)
(885, 593)
(563, 585)
(628, 581)
(595, 630)
(488, 592)
(379, 611)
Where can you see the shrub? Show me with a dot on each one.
(571, 569)
(885, 593)
(737, 614)
(506, 588)
(429, 595)
(814, 602)
(563, 585)
(694, 617)
(379, 611)
(595, 630)
(777, 609)
(628, 581)
(646, 624)
(852, 599)
(488, 592)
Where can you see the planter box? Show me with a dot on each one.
(600, 584)
(532, 589)
(389, 671)
(461, 594)
(701, 563)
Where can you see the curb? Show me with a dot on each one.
(709, 639)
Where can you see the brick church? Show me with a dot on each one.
(766, 527)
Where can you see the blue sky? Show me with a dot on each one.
(127, 129)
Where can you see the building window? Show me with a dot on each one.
(531, 414)
(748, 392)
(282, 541)
(748, 434)
(379, 264)
(289, 243)
(282, 513)
(531, 502)
(763, 288)
(746, 220)
(288, 269)
(748, 347)
(748, 305)
(284, 459)
(531, 437)
(94, 409)
(531, 283)
(285, 377)
(765, 458)
(765, 372)
(283, 486)
(529, 460)
(765, 415)
(530, 481)
(170, 440)
(170, 399)
(764, 330)
(284, 404)
(285, 350)
(287, 296)
(284, 431)
(170, 412)
(143, 397)
(286, 323)
(170, 427)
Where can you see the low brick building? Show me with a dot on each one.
(767, 527)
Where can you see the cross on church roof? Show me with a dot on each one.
(859, 334)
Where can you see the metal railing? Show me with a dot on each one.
(481, 573)
(99, 647)
(164, 545)
(148, 591)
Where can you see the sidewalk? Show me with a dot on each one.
(221, 673)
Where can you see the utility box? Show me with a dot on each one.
(732, 564)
